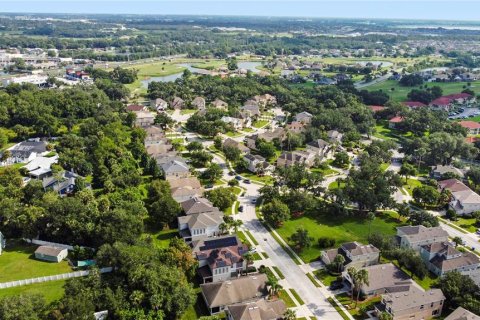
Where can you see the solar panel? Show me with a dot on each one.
(219, 243)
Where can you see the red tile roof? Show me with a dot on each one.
(471, 139)
(135, 107)
(376, 108)
(469, 124)
(462, 95)
(414, 104)
(446, 100)
(396, 119)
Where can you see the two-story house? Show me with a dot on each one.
(256, 163)
(416, 236)
(356, 255)
(200, 225)
(319, 146)
(464, 200)
(219, 259)
(442, 257)
(176, 168)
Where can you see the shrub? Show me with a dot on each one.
(324, 242)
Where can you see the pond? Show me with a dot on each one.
(248, 65)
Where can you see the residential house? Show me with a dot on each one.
(64, 184)
(265, 100)
(291, 158)
(183, 189)
(154, 135)
(413, 303)
(319, 146)
(259, 310)
(231, 143)
(25, 151)
(219, 295)
(144, 119)
(40, 167)
(464, 200)
(304, 117)
(296, 127)
(472, 126)
(447, 102)
(220, 104)
(168, 157)
(334, 136)
(462, 314)
(256, 163)
(236, 123)
(198, 103)
(200, 225)
(269, 136)
(356, 255)
(251, 110)
(415, 237)
(442, 257)
(197, 205)
(176, 168)
(136, 108)
(159, 104)
(177, 103)
(414, 104)
(393, 123)
(383, 278)
(438, 171)
(52, 254)
(220, 258)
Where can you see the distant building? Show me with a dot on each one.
(304, 117)
(159, 104)
(472, 126)
(52, 254)
(334, 136)
(198, 103)
(177, 103)
(393, 123)
(220, 104)
(438, 171)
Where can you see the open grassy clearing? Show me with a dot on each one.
(260, 123)
(161, 239)
(51, 290)
(341, 228)
(411, 184)
(400, 93)
(17, 262)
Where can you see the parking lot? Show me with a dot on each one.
(465, 114)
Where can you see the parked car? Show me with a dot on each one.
(238, 178)
(253, 250)
(254, 201)
(247, 181)
(240, 208)
(231, 173)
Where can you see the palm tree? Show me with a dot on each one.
(338, 262)
(352, 273)
(360, 280)
(235, 224)
(274, 286)
(248, 256)
(290, 314)
(223, 228)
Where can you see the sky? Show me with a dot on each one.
(389, 9)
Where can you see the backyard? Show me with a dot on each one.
(341, 228)
(51, 290)
(17, 262)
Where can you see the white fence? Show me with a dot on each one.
(62, 276)
(51, 244)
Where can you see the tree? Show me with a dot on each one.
(473, 175)
(231, 153)
(359, 278)
(274, 286)
(426, 195)
(411, 80)
(301, 239)
(457, 240)
(200, 158)
(385, 316)
(213, 172)
(162, 208)
(459, 290)
(404, 210)
(221, 197)
(276, 212)
(338, 262)
(23, 306)
(407, 170)
(217, 142)
(265, 149)
(236, 223)
(248, 256)
(290, 314)
(341, 160)
(424, 218)
(194, 146)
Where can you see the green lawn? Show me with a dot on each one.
(17, 262)
(468, 224)
(400, 93)
(51, 290)
(411, 184)
(260, 123)
(257, 256)
(280, 274)
(324, 276)
(161, 239)
(188, 111)
(325, 172)
(233, 134)
(335, 185)
(198, 309)
(314, 281)
(282, 294)
(252, 176)
(255, 242)
(346, 301)
(426, 283)
(342, 229)
(297, 296)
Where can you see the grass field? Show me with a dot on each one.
(51, 290)
(260, 123)
(161, 239)
(282, 294)
(325, 277)
(411, 184)
(400, 93)
(342, 229)
(17, 262)
(468, 224)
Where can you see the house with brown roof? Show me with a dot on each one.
(269, 136)
(258, 310)
(442, 257)
(438, 171)
(177, 103)
(183, 189)
(462, 314)
(231, 143)
(296, 127)
(416, 236)
(198, 103)
(304, 117)
(154, 135)
(144, 119)
(219, 295)
(200, 225)
(472, 126)
(464, 200)
(356, 255)
(412, 304)
(393, 123)
(197, 205)
(383, 278)
(219, 104)
(136, 108)
(319, 146)
(291, 158)
(250, 110)
(220, 258)
(156, 150)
